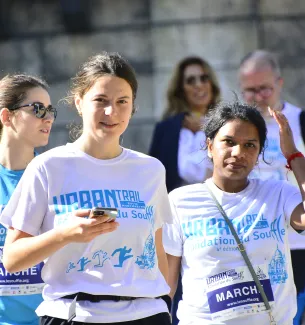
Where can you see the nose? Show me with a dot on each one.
(49, 117)
(109, 110)
(199, 83)
(237, 151)
(258, 97)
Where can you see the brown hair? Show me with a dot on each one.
(97, 66)
(176, 101)
(14, 88)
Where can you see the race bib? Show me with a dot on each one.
(233, 293)
(26, 282)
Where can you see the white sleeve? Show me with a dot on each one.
(172, 234)
(27, 206)
(163, 213)
(292, 197)
(193, 163)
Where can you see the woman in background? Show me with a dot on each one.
(26, 119)
(178, 139)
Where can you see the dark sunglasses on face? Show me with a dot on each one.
(40, 110)
(192, 80)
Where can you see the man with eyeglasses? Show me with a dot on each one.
(261, 83)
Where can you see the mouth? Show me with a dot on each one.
(236, 166)
(108, 125)
(45, 131)
(200, 95)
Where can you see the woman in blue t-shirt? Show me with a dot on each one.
(26, 118)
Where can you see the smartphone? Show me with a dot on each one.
(99, 211)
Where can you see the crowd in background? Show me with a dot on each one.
(94, 270)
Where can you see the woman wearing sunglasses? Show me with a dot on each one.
(97, 270)
(26, 118)
(178, 139)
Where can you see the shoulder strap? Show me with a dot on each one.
(243, 252)
(302, 124)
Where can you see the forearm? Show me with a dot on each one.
(163, 265)
(162, 260)
(297, 220)
(174, 265)
(298, 168)
(29, 251)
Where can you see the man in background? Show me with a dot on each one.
(261, 83)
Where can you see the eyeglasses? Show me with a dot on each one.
(263, 91)
(40, 110)
(192, 80)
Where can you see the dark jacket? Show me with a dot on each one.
(164, 146)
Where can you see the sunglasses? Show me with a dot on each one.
(192, 80)
(40, 110)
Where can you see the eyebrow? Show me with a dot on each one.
(105, 96)
(230, 137)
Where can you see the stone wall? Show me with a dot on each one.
(153, 35)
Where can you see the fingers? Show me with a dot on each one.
(280, 118)
(104, 218)
(82, 213)
(105, 228)
(86, 233)
(93, 222)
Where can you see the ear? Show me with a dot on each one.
(5, 117)
(281, 82)
(210, 147)
(78, 104)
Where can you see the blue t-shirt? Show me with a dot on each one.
(20, 293)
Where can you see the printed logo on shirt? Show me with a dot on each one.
(277, 268)
(64, 204)
(273, 155)
(2, 206)
(105, 198)
(3, 232)
(147, 259)
(214, 231)
(119, 256)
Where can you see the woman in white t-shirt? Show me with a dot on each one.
(217, 285)
(96, 270)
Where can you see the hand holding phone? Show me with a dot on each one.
(109, 214)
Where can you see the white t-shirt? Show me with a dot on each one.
(194, 166)
(122, 263)
(273, 155)
(215, 277)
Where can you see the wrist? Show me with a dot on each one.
(61, 236)
(290, 153)
(291, 157)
